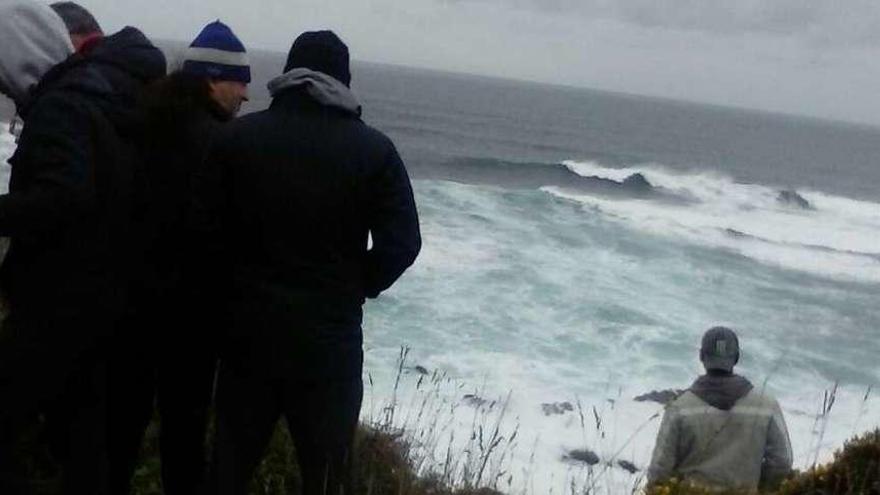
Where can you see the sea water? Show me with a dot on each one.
(544, 279)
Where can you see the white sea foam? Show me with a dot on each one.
(7, 147)
(604, 418)
(517, 293)
(836, 239)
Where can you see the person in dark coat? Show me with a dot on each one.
(295, 193)
(68, 213)
(175, 307)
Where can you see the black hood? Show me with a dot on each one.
(115, 71)
(721, 391)
(132, 53)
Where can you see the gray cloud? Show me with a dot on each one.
(818, 22)
(796, 56)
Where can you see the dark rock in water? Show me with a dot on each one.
(791, 197)
(556, 408)
(660, 396)
(582, 455)
(628, 467)
(474, 400)
(637, 182)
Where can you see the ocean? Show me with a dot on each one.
(578, 243)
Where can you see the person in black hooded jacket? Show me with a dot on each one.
(71, 204)
(294, 193)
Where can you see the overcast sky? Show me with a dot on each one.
(812, 57)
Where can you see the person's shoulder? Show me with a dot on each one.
(374, 136)
(57, 107)
(686, 400)
(232, 134)
(247, 121)
(759, 396)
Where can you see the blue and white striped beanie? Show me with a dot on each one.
(217, 53)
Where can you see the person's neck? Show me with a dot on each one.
(89, 42)
(719, 373)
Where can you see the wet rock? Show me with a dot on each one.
(791, 197)
(660, 396)
(556, 408)
(585, 456)
(474, 400)
(637, 182)
(628, 467)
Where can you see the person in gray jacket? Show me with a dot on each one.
(722, 432)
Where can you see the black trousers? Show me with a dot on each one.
(170, 366)
(322, 416)
(54, 366)
(180, 387)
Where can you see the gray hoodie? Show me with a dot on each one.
(33, 39)
(722, 433)
(721, 391)
(325, 89)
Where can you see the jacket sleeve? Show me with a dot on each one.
(54, 157)
(664, 459)
(394, 226)
(777, 453)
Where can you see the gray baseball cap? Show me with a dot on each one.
(719, 349)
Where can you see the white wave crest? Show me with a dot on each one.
(837, 239)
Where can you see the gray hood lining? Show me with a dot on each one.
(721, 391)
(325, 89)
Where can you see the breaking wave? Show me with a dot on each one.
(835, 237)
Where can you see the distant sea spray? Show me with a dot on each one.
(835, 237)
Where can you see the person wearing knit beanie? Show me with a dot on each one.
(296, 190)
(220, 57)
(320, 51)
(181, 114)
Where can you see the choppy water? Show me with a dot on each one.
(543, 276)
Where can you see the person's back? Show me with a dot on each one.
(304, 185)
(718, 447)
(722, 432)
(310, 183)
(69, 213)
(302, 210)
(73, 186)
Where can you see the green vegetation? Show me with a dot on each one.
(384, 466)
(381, 467)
